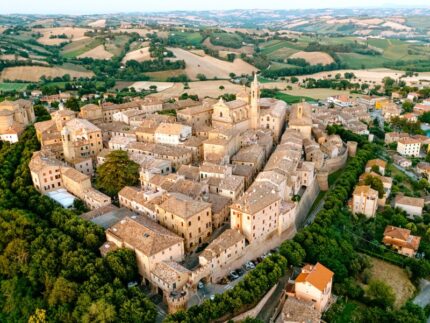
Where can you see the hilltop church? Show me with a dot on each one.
(248, 111)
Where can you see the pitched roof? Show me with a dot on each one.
(318, 276)
(226, 240)
(183, 206)
(144, 235)
(400, 237)
(377, 162)
(407, 200)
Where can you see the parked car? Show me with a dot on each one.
(240, 271)
(249, 265)
(233, 275)
(200, 285)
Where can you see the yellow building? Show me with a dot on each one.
(255, 214)
(190, 219)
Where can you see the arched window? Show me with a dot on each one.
(220, 114)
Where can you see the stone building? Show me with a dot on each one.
(190, 219)
(14, 117)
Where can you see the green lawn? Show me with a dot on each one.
(276, 66)
(13, 86)
(278, 48)
(291, 99)
(356, 61)
(189, 38)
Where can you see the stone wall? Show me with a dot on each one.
(255, 310)
(334, 164)
(306, 202)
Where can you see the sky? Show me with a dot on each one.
(115, 6)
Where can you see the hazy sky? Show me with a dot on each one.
(112, 6)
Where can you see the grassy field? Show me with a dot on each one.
(190, 38)
(276, 66)
(358, 61)
(81, 46)
(117, 45)
(225, 39)
(13, 86)
(291, 99)
(395, 277)
(163, 75)
(281, 48)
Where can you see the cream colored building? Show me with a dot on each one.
(255, 214)
(272, 116)
(409, 147)
(151, 242)
(413, 206)
(188, 218)
(200, 115)
(314, 284)
(221, 252)
(14, 117)
(176, 155)
(81, 139)
(364, 201)
(45, 171)
(171, 133)
(48, 174)
(301, 119)
(242, 113)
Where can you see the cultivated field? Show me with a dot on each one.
(34, 73)
(139, 55)
(161, 86)
(372, 75)
(81, 46)
(101, 23)
(210, 66)
(72, 33)
(13, 86)
(98, 52)
(314, 58)
(395, 277)
(200, 88)
(317, 94)
(141, 32)
(248, 50)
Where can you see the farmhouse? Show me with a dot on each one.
(401, 240)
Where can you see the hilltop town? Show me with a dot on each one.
(209, 166)
(211, 187)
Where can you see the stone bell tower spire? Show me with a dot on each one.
(255, 103)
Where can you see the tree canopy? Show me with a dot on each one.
(116, 172)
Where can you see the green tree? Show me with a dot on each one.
(72, 104)
(63, 292)
(116, 172)
(407, 106)
(201, 77)
(380, 294)
(293, 252)
(376, 184)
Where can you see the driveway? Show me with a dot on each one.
(423, 297)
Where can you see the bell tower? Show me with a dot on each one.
(255, 103)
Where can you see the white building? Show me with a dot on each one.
(409, 147)
(172, 133)
(364, 201)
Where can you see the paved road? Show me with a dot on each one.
(407, 172)
(211, 289)
(423, 297)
